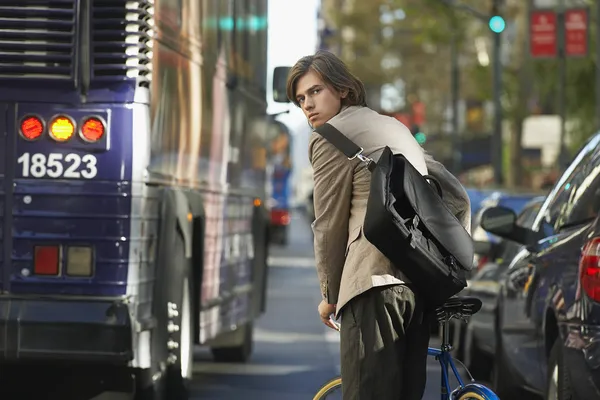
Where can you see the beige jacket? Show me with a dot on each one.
(347, 264)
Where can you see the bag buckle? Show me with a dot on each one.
(357, 155)
(362, 158)
(416, 221)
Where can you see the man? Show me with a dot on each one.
(384, 336)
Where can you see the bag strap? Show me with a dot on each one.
(344, 144)
(352, 150)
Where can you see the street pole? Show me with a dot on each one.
(455, 87)
(497, 141)
(562, 84)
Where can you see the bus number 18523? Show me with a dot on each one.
(57, 165)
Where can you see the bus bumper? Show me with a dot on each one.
(65, 329)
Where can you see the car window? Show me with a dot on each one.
(524, 216)
(582, 205)
(568, 191)
(528, 215)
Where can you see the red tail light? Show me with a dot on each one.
(46, 260)
(92, 129)
(31, 127)
(589, 269)
(280, 217)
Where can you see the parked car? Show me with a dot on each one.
(476, 339)
(487, 246)
(547, 321)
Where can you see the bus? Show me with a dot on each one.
(133, 225)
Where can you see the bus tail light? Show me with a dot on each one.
(92, 129)
(79, 261)
(31, 127)
(61, 128)
(46, 260)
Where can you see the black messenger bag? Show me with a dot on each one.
(407, 220)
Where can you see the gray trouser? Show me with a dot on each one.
(384, 339)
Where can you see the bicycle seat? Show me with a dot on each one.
(464, 306)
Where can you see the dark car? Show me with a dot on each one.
(486, 245)
(477, 337)
(548, 312)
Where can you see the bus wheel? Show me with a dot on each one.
(239, 347)
(172, 338)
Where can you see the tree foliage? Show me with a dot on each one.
(420, 45)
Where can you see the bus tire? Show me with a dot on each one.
(181, 342)
(240, 349)
(172, 337)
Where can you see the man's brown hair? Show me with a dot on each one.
(333, 72)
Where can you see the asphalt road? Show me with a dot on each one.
(294, 352)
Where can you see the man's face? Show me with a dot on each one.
(318, 101)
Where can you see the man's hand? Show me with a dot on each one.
(325, 312)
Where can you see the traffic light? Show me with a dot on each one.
(419, 136)
(496, 23)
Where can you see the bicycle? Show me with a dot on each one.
(456, 307)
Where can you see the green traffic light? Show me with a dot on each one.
(497, 24)
(420, 137)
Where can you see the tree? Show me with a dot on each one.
(387, 41)
(418, 54)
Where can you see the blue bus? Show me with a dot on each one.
(132, 183)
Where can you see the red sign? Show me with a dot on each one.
(543, 34)
(576, 32)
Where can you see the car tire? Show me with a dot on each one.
(559, 380)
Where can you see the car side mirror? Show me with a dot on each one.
(280, 75)
(501, 221)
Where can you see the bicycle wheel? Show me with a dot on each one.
(331, 390)
(472, 396)
(476, 391)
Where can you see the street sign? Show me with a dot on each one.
(543, 34)
(576, 32)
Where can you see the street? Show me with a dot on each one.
(294, 353)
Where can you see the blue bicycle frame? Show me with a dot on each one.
(445, 359)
